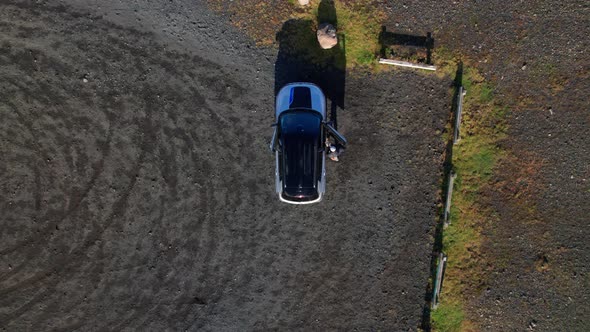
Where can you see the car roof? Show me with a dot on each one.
(300, 139)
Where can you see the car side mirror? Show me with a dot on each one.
(273, 141)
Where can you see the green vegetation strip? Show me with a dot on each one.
(474, 158)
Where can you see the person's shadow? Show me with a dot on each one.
(301, 59)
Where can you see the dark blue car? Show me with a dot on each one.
(299, 143)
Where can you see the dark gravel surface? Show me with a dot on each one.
(535, 54)
(137, 186)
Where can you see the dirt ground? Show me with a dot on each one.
(137, 185)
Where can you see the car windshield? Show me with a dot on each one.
(300, 135)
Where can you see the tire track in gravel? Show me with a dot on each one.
(72, 207)
(54, 223)
(88, 241)
(119, 206)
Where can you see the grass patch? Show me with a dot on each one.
(483, 116)
(474, 162)
(485, 93)
(358, 24)
(364, 58)
(447, 318)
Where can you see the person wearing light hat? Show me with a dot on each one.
(335, 152)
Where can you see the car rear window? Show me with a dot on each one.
(300, 134)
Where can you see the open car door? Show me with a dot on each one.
(335, 134)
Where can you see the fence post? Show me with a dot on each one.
(447, 212)
(442, 259)
(456, 136)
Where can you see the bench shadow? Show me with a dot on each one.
(408, 46)
(301, 59)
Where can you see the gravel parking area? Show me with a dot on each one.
(138, 186)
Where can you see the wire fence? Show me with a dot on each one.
(442, 257)
(440, 270)
(449, 196)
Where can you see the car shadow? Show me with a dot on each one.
(301, 59)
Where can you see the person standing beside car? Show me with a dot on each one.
(335, 151)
